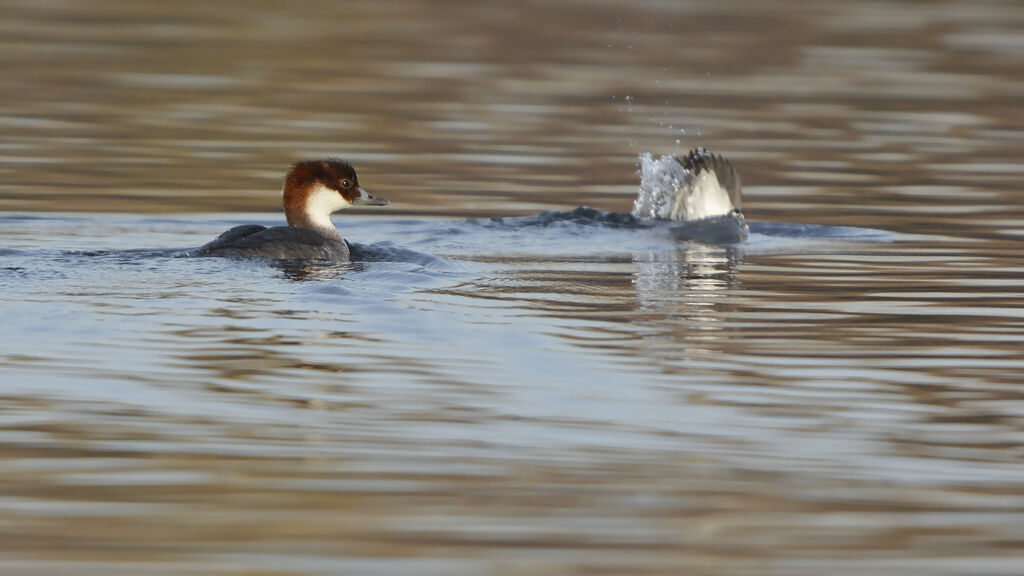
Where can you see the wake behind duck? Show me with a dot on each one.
(695, 197)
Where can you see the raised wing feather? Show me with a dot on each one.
(728, 178)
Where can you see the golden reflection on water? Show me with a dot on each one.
(858, 411)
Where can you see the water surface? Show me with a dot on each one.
(497, 388)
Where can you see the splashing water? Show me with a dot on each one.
(685, 189)
(659, 180)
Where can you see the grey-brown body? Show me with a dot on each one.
(280, 242)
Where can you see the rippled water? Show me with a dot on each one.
(504, 383)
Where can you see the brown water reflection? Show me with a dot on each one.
(482, 108)
(852, 410)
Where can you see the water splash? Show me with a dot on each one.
(686, 189)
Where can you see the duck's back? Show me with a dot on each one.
(281, 242)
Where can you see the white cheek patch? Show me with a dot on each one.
(323, 202)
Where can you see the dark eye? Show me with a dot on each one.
(346, 184)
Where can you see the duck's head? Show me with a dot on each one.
(315, 189)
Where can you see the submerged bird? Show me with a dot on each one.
(691, 188)
(313, 190)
